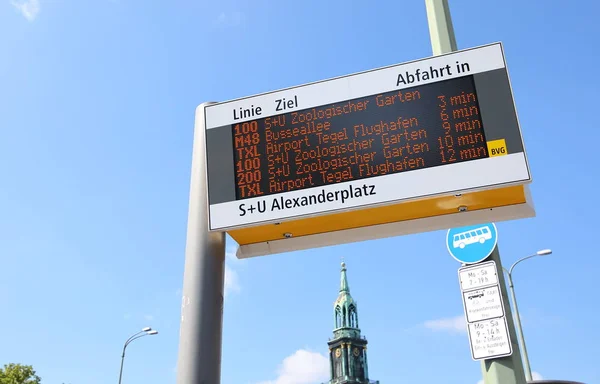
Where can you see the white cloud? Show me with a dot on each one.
(28, 8)
(303, 367)
(232, 19)
(232, 280)
(230, 251)
(455, 324)
(534, 376)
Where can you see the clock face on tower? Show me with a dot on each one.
(338, 352)
(356, 352)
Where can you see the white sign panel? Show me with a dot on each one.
(484, 311)
(482, 304)
(489, 339)
(421, 72)
(477, 276)
(438, 126)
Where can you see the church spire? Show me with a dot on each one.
(345, 308)
(344, 287)
(348, 349)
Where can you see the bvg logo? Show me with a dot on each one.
(497, 148)
(498, 151)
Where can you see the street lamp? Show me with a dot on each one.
(526, 366)
(147, 331)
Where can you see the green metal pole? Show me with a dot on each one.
(441, 30)
(526, 366)
(505, 370)
(509, 369)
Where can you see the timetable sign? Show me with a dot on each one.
(433, 127)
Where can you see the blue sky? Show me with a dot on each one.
(97, 101)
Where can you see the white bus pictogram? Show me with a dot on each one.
(473, 236)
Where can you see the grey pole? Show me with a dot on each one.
(441, 30)
(146, 332)
(201, 329)
(526, 366)
(123, 354)
(521, 336)
(122, 361)
(509, 369)
(506, 370)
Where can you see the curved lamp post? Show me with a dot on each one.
(144, 332)
(526, 366)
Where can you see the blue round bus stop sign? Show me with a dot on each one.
(473, 243)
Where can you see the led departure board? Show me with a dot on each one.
(438, 126)
(375, 135)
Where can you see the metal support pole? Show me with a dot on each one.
(122, 361)
(506, 370)
(200, 334)
(509, 369)
(441, 31)
(127, 342)
(526, 366)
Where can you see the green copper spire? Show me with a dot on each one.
(348, 348)
(345, 308)
(344, 287)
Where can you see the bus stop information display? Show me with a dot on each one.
(370, 138)
(387, 133)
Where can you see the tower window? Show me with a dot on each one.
(338, 368)
(352, 317)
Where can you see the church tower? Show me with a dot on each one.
(347, 349)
